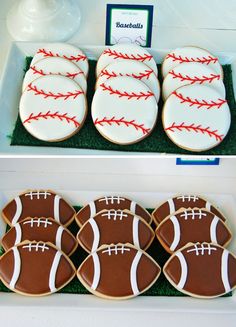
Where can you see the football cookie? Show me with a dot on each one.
(35, 268)
(53, 108)
(190, 54)
(196, 117)
(63, 50)
(183, 201)
(124, 51)
(192, 74)
(133, 69)
(55, 66)
(37, 204)
(108, 203)
(40, 229)
(202, 270)
(192, 225)
(112, 227)
(124, 110)
(118, 272)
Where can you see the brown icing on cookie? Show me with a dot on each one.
(185, 202)
(40, 229)
(202, 270)
(112, 227)
(38, 203)
(192, 225)
(118, 271)
(35, 268)
(111, 202)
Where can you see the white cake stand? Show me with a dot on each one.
(43, 20)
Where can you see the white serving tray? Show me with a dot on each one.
(55, 310)
(11, 90)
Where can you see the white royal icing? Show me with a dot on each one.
(128, 52)
(53, 107)
(184, 270)
(224, 270)
(55, 66)
(59, 237)
(64, 50)
(171, 206)
(124, 110)
(176, 233)
(133, 205)
(96, 234)
(38, 221)
(38, 195)
(213, 229)
(133, 69)
(133, 273)
(202, 249)
(53, 272)
(135, 232)
(57, 208)
(115, 249)
(97, 271)
(93, 209)
(196, 117)
(111, 199)
(192, 74)
(187, 198)
(193, 214)
(17, 268)
(190, 54)
(18, 210)
(18, 233)
(115, 214)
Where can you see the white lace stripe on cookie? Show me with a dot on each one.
(18, 234)
(135, 232)
(57, 208)
(133, 206)
(96, 234)
(171, 205)
(208, 206)
(92, 209)
(18, 210)
(53, 272)
(224, 270)
(133, 273)
(59, 237)
(97, 271)
(184, 270)
(17, 268)
(213, 229)
(176, 233)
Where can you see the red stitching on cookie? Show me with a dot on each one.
(71, 58)
(54, 115)
(37, 71)
(202, 60)
(52, 95)
(146, 74)
(117, 55)
(122, 120)
(196, 129)
(40, 72)
(200, 103)
(195, 79)
(132, 95)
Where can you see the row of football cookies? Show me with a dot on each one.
(196, 115)
(53, 104)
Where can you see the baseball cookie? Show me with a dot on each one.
(118, 272)
(190, 54)
(192, 225)
(40, 229)
(55, 66)
(133, 69)
(192, 74)
(170, 206)
(108, 203)
(127, 51)
(53, 108)
(63, 50)
(35, 269)
(112, 227)
(196, 117)
(202, 270)
(37, 204)
(124, 110)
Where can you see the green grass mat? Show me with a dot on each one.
(161, 288)
(89, 138)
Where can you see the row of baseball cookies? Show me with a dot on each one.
(104, 221)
